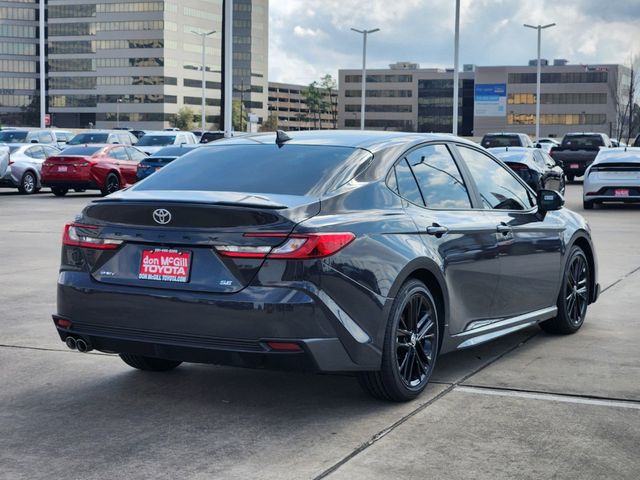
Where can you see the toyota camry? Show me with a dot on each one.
(364, 252)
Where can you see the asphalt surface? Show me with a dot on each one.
(530, 405)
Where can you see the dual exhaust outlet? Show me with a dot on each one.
(78, 344)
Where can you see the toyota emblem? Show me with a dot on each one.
(162, 216)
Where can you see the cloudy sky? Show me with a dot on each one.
(309, 38)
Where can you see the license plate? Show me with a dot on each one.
(574, 165)
(165, 265)
(62, 168)
(621, 192)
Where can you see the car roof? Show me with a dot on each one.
(164, 132)
(371, 140)
(497, 150)
(173, 150)
(618, 155)
(504, 133)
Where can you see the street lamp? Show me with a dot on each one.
(539, 28)
(364, 69)
(204, 36)
(118, 102)
(456, 74)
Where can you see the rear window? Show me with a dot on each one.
(582, 141)
(211, 137)
(156, 140)
(289, 170)
(171, 151)
(89, 138)
(80, 150)
(11, 136)
(490, 141)
(511, 156)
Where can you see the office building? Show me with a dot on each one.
(19, 69)
(137, 63)
(287, 103)
(496, 98)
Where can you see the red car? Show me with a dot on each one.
(107, 168)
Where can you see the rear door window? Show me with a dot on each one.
(404, 183)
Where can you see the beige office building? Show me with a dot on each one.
(288, 105)
(501, 98)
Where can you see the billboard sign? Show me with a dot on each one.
(490, 100)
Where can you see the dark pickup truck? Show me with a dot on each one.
(577, 151)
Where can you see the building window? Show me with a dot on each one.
(379, 78)
(557, 98)
(71, 29)
(9, 13)
(560, 77)
(17, 66)
(379, 108)
(13, 48)
(72, 65)
(379, 93)
(18, 31)
(557, 119)
(65, 101)
(72, 83)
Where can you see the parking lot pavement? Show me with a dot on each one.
(527, 406)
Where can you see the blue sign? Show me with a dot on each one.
(490, 100)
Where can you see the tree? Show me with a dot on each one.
(270, 124)
(183, 119)
(237, 115)
(329, 85)
(314, 98)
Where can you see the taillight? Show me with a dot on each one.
(517, 167)
(73, 237)
(296, 246)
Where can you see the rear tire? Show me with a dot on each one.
(573, 297)
(149, 364)
(28, 183)
(111, 184)
(410, 346)
(587, 204)
(571, 178)
(59, 191)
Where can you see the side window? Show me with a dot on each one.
(438, 177)
(405, 183)
(124, 139)
(45, 137)
(49, 151)
(36, 152)
(548, 160)
(119, 153)
(498, 188)
(136, 155)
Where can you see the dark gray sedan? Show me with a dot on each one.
(534, 166)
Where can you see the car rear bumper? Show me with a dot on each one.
(605, 190)
(227, 329)
(86, 185)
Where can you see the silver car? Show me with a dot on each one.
(614, 176)
(21, 163)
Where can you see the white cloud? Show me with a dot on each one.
(309, 38)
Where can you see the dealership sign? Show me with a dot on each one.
(490, 100)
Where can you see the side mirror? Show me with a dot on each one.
(34, 140)
(549, 200)
(115, 142)
(538, 145)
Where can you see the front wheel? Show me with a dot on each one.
(410, 346)
(59, 191)
(573, 297)
(149, 364)
(28, 183)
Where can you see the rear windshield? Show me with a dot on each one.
(13, 148)
(582, 141)
(80, 150)
(156, 140)
(13, 136)
(211, 136)
(490, 141)
(89, 138)
(171, 151)
(511, 156)
(289, 170)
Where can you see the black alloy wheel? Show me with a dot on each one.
(573, 298)
(28, 183)
(410, 348)
(111, 184)
(149, 364)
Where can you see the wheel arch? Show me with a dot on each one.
(431, 275)
(581, 240)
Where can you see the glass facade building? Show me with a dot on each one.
(19, 69)
(132, 63)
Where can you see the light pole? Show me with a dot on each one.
(456, 74)
(43, 85)
(364, 69)
(118, 102)
(539, 28)
(227, 68)
(204, 36)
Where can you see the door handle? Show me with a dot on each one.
(504, 229)
(437, 230)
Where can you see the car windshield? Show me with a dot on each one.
(154, 159)
(490, 141)
(286, 170)
(13, 136)
(156, 140)
(85, 151)
(582, 141)
(87, 138)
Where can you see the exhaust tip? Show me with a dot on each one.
(71, 343)
(82, 346)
